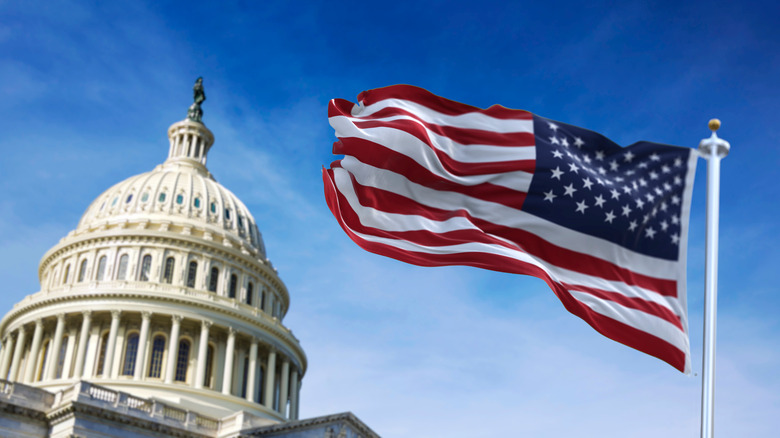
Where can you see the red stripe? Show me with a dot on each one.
(437, 103)
(384, 158)
(525, 241)
(463, 136)
(649, 307)
(610, 328)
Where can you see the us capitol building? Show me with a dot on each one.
(159, 315)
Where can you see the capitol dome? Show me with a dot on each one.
(162, 291)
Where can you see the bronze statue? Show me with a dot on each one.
(195, 113)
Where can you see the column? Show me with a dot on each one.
(270, 372)
(173, 348)
(68, 363)
(78, 371)
(109, 363)
(32, 363)
(17, 354)
(284, 387)
(143, 342)
(203, 348)
(54, 353)
(9, 352)
(294, 395)
(227, 378)
(252, 374)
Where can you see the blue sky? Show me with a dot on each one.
(88, 89)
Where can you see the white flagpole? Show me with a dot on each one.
(713, 149)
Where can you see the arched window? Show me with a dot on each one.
(121, 272)
(168, 273)
(209, 366)
(250, 289)
(183, 361)
(131, 353)
(233, 284)
(83, 270)
(102, 354)
(42, 365)
(213, 279)
(65, 274)
(101, 271)
(262, 300)
(155, 361)
(146, 266)
(192, 272)
(61, 356)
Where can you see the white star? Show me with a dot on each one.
(664, 225)
(552, 126)
(587, 183)
(548, 196)
(610, 217)
(676, 239)
(569, 190)
(655, 157)
(653, 174)
(650, 197)
(667, 187)
(640, 203)
(581, 206)
(615, 194)
(602, 170)
(613, 165)
(628, 156)
(619, 179)
(664, 206)
(675, 200)
(586, 159)
(627, 189)
(578, 142)
(678, 162)
(642, 182)
(634, 185)
(573, 168)
(599, 155)
(565, 142)
(678, 180)
(650, 232)
(556, 173)
(630, 172)
(599, 201)
(557, 154)
(658, 191)
(675, 220)
(632, 225)
(554, 140)
(643, 165)
(666, 169)
(626, 210)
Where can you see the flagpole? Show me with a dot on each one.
(713, 149)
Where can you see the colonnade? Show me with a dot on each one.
(158, 347)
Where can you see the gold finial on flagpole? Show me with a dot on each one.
(714, 125)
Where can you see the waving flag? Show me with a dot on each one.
(434, 182)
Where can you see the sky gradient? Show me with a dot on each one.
(88, 90)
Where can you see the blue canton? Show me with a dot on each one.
(630, 196)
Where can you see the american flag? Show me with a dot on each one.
(434, 182)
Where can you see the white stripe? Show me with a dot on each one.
(645, 322)
(410, 146)
(474, 120)
(500, 214)
(471, 153)
(393, 222)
